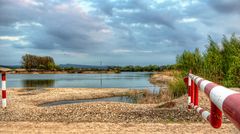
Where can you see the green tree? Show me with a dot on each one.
(213, 62)
(233, 75)
(231, 54)
(38, 62)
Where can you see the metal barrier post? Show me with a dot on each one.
(195, 95)
(192, 92)
(215, 116)
(4, 92)
(189, 90)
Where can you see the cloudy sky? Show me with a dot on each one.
(116, 32)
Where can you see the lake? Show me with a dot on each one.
(132, 80)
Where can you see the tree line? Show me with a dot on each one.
(148, 68)
(33, 62)
(30, 62)
(220, 63)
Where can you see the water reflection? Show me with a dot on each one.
(131, 80)
(38, 83)
(126, 99)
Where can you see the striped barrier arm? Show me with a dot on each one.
(222, 100)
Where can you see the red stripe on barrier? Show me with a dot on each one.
(209, 87)
(192, 91)
(185, 80)
(215, 116)
(231, 108)
(3, 76)
(4, 94)
(200, 111)
(195, 94)
(199, 82)
(208, 118)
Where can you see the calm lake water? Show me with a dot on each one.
(126, 99)
(132, 80)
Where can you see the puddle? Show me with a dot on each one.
(126, 99)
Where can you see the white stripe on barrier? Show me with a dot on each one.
(189, 81)
(218, 94)
(189, 100)
(4, 102)
(3, 85)
(204, 84)
(197, 80)
(195, 107)
(192, 105)
(198, 109)
(205, 114)
(191, 76)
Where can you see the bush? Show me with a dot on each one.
(177, 87)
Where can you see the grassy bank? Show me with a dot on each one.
(171, 84)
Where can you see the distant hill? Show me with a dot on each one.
(83, 66)
(10, 66)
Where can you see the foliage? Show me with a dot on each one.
(213, 62)
(30, 62)
(189, 60)
(149, 68)
(220, 64)
(177, 87)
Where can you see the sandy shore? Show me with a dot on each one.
(24, 105)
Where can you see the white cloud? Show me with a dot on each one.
(188, 20)
(19, 25)
(122, 51)
(145, 51)
(11, 38)
(32, 2)
(131, 51)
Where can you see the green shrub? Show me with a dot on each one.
(219, 63)
(177, 88)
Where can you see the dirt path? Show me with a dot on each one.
(120, 128)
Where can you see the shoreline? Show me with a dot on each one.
(24, 110)
(24, 105)
(63, 72)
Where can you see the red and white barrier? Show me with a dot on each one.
(222, 100)
(4, 92)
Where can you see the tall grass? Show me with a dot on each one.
(177, 87)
